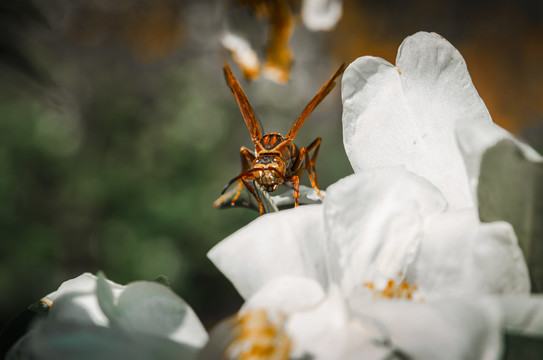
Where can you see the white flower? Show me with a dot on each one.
(375, 227)
(405, 225)
(410, 114)
(92, 317)
(297, 315)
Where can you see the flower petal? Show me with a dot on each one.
(75, 301)
(374, 222)
(51, 340)
(288, 242)
(475, 138)
(498, 261)
(522, 314)
(406, 115)
(286, 295)
(509, 189)
(327, 331)
(459, 256)
(106, 297)
(152, 308)
(448, 329)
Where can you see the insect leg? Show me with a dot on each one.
(253, 192)
(310, 163)
(246, 157)
(238, 192)
(296, 180)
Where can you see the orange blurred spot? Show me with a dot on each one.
(149, 29)
(279, 58)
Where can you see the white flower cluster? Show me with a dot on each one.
(396, 259)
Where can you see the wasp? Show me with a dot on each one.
(276, 159)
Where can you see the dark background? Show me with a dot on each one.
(117, 131)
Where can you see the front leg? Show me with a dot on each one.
(295, 179)
(253, 192)
(246, 157)
(309, 164)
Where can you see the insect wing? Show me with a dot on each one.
(313, 103)
(244, 105)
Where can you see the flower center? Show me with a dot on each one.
(257, 337)
(394, 290)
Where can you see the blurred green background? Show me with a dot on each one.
(117, 130)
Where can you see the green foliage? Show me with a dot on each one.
(113, 164)
(522, 346)
(116, 168)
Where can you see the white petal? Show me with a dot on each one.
(406, 115)
(286, 295)
(450, 329)
(75, 300)
(474, 138)
(374, 223)
(328, 332)
(461, 257)
(522, 314)
(498, 261)
(152, 308)
(106, 297)
(321, 14)
(287, 243)
(52, 340)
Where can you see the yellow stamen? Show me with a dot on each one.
(393, 290)
(256, 337)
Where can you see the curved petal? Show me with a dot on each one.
(498, 261)
(152, 308)
(75, 301)
(459, 256)
(286, 295)
(523, 314)
(475, 138)
(52, 340)
(327, 331)
(288, 242)
(448, 329)
(405, 115)
(508, 184)
(374, 223)
(142, 306)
